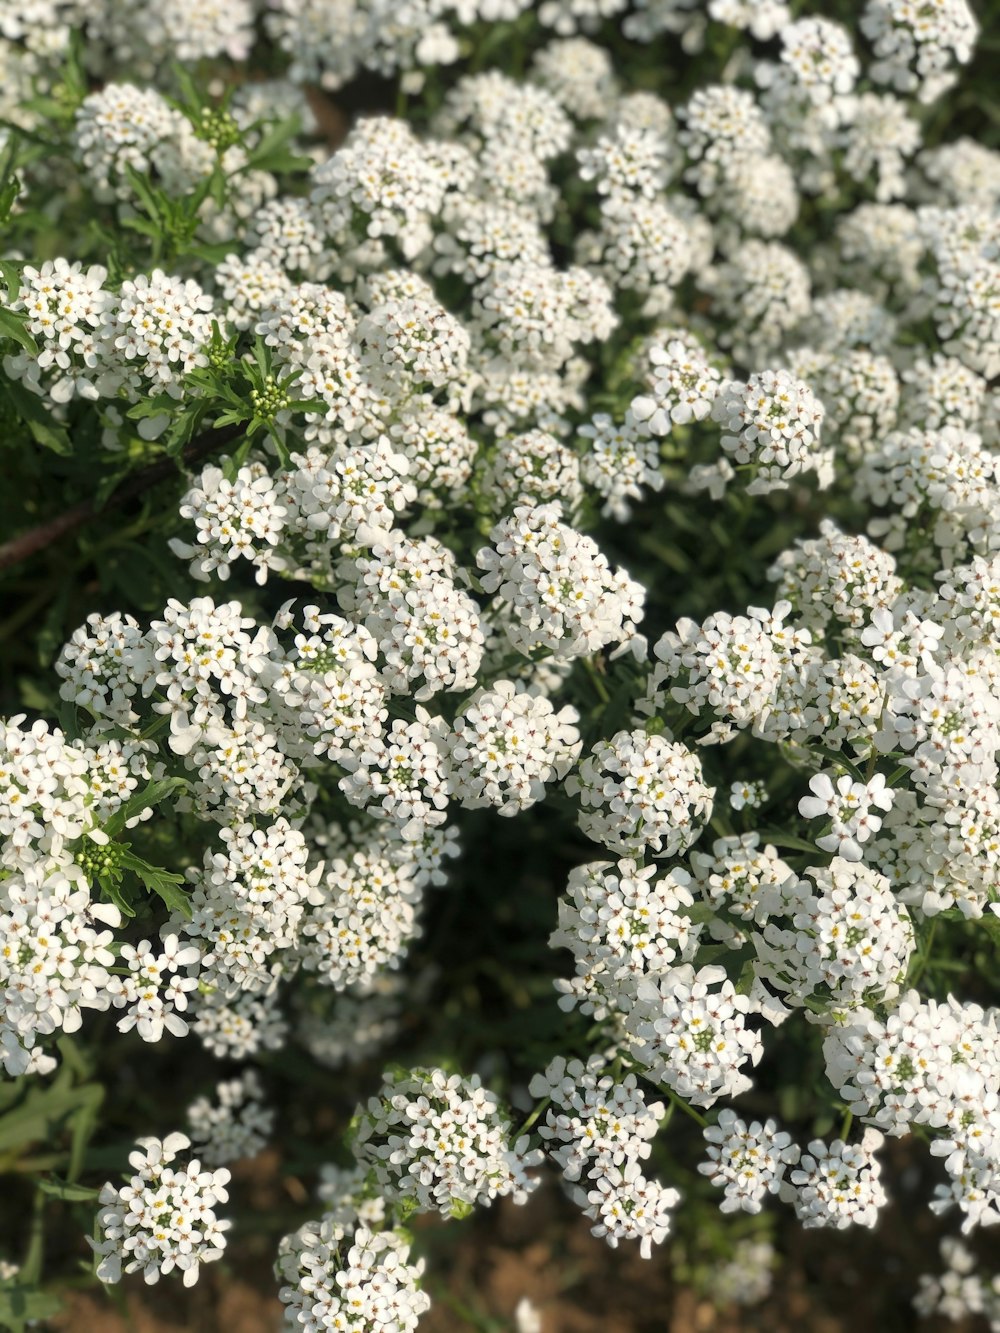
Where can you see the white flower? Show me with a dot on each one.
(639, 791)
(620, 923)
(595, 1123)
(772, 425)
(848, 806)
(237, 1126)
(747, 795)
(849, 937)
(163, 1218)
(748, 1161)
(153, 993)
(442, 1143)
(235, 518)
(506, 744)
(627, 1206)
(690, 1029)
(838, 1185)
(337, 1273)
(527, 1318)
(555, 587)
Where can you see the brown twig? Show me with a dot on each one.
(36, 539)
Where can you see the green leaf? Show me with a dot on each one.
(143, 225)
(145, 191)
(747, 977)
(152, 795)
(162, 882)
(12, 326)
(42, 1113)
(152, 407)
(11, 273)
(110, 482)
(62, 1189)
(184, 426)
(782, 839)
(84, 1123)
(29, 407)
(22, 1303)
(193, 101)
(114, 894)
(273, 153)
(8, 196)
(210, 254)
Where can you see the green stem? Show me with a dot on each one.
(686, 1107)
(546, 1101)
(845, 1127)
(596, 681)
(925, 954)
(31, 1269)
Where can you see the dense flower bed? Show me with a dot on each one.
(605, 441)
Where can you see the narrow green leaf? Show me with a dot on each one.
(61, 1189)
(42, 1113)
(152, 407)
(782, 839)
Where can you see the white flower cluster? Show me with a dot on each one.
(639, 792)
(506, 744)
(622, 463)
(428, 629)
(748, 1161)
(66, 308)
(835, 581)
(54, 962)
(620, 923)
(330, 680)
(363, 917)
(556, 587)
(683, 387)
(532, 469)
(737, 670)
(55, 796)
(915, 48)
(747, 795)
(238, 1125)
(960, 1291)
(559, 297)
(353, 1024)
(336, 1275)
(440, 1143)
(838, 1183)
(163, 1218)
(771, 428)
(689, 1029)
(849, 937)
(747, 1276)
(599, 1130)
(848, 806)
(153, 334)
(742, 878)
(236, 517)
(930, 1064)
